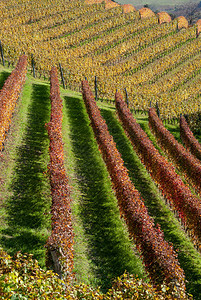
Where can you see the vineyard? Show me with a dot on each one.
(99, 152)
(154, 58)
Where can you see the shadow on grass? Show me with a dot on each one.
(174, 130)
(28, 207)
(143, 121)
(3, 76)
(110, 250)
(187, 255)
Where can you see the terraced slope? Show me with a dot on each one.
(102, 247)
(155, 58)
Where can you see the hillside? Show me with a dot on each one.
(189, 9)
(101, 183)
(136, 50)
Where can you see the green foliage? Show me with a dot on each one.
(22, 278)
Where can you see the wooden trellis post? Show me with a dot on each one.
(157, 109)
(33, 66)
(96, 88)
(126, 97)
(2, 56)
(62, 77)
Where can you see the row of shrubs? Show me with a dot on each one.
(9, 95)
(159, 257)
(182, 157)
(173, 188)
(61, 240)
(189, 139)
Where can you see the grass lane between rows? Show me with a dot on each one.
(188, 256)
(26, 192)
(110, 249)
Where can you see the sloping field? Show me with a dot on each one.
(137, 50)
(90, 189)
(102, 249)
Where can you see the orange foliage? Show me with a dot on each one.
(170, 183)
(189, 139)
(183, 158)
(62, 235)
(108, 3)
(199, 26)
(182, 22)
(128, 8)
(163, 17)
(146, 13)
(9, 95)
(159, 256)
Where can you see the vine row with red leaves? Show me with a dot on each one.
(189, 164)
(61, 239)
(189, 139)
(173, 188)
(9, 95)
(159, 257)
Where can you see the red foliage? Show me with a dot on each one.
(188, 138)
(172, 186)
(62, 237)
(183, 158)
(9, 95)
(159, 257)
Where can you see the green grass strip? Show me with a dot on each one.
(82, 265)
(3, 76)
(188, 256)
(27, 192)
(110, 249)
(175, 130)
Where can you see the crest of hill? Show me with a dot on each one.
(110, 4)
(198, 26)
(182, 22)
(128, 8)
(163, 17)
(145, 12)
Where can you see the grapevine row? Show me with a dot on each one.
(175, 78)
(174, 59)
(163, 65)
(158, 49)
(61, 239)
(179, 195)
(189, 139)
(129, 51)
(183, 158)
(134, 43)
(109, 39)
(41, 10)
(159, 257)
(139, 60)
(147, 39)
(97, 28)
(185, 100)
(81, 22)
(58, 18)
(9, 95)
